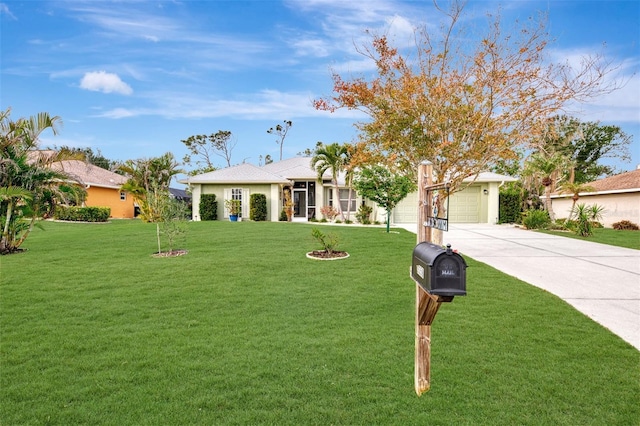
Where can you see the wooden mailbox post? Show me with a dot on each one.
(427, 304)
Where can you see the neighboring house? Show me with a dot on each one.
(619, 195)
(102, 186)
(478, 203)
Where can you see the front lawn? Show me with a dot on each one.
(628, 239)
(244, 329)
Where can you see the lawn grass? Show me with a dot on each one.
(613, 237)
(245, 330)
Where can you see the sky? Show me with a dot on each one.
(131, 79)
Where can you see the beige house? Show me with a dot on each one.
(294, 175)
(478, 203)
(619, 195)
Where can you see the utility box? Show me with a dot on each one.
(439, 271)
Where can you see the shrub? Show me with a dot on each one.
(510, 205)
(536, 219)
(82, 214)
(364, 214)
(329, 242)
(283, 216)
(625, 225)
(587, 218)
(258, 207)
(329, 212)
(208, 207)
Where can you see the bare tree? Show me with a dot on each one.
(281, 131)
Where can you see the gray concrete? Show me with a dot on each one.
(601, 281)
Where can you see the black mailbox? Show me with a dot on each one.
(439, 271)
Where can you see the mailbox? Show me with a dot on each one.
(439, 271)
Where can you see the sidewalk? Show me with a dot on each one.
(601, 281)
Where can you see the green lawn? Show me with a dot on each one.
(246, 330)
(628, 239)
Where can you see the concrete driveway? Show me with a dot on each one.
(601, 281)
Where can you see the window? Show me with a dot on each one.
(344, 200)
(241, 195)
(123, 196)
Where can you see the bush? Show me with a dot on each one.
(258, 207)
(329, 212)
(329, 242)
(208, 207)
(82, 214)
(283, 216)
(587, 218)
(510, 205)
(625, 225)
(364, 214)
(536, 219)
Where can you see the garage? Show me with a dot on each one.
(478, 203)
(464, 206)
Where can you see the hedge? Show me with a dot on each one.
(258, 207)
(208, 207)
(82, 214)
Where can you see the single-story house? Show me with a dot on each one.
(619, 195)
(477, 203)
(102, 186)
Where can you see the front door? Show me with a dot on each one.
(300, 204)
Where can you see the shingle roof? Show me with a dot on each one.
(490, 177)
(88, 174)
(298, 168)
(623, 181)
(242, 173)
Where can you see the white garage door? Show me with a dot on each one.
(407, 210)
(464, 206)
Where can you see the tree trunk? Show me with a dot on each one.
(547, 203)
(336, 199)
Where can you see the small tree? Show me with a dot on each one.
(378, 184)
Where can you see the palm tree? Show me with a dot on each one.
(330, 158)
(27, 183)
(547, 170)
(149, 176)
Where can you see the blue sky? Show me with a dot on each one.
(133, 78)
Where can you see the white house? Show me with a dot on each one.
(477, 203)
(619, 195)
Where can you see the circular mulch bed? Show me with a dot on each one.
(172, 253)
(324, 255)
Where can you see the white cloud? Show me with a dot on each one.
(102, 81)
(4, 10)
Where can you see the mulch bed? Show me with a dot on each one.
(324, 255)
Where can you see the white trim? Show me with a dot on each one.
(587, 194)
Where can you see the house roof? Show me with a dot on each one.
(88, 174)
(296, 168)
(242, 173)
(486, 177)
(623, 181)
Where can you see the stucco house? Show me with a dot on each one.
(102, 186)
(619, 195)
(477, 203)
